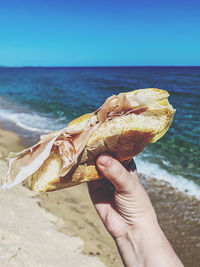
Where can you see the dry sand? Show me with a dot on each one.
(28, 234)
(73, 205)
(69, 212)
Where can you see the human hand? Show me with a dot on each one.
(120, 200)
(127, 213)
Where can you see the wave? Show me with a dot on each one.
(181, 184)
(27, 119)
(32, 122)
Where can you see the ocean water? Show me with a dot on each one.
(34, 101)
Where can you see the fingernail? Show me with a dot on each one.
(104, 160)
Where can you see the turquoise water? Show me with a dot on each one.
(40, 100)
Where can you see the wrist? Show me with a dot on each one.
(146, 247)
(139, 243)
(128, 247)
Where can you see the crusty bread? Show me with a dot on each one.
(123, 136)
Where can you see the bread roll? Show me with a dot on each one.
(122, 126)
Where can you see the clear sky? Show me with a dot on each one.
(99, 32)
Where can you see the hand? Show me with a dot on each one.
(127, 213)
(121, 201)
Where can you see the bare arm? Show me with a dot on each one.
(128, 215)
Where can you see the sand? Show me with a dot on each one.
(69, 219)
(73, 205)
(178, 214)
(29, 236)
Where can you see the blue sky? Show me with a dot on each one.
(99, 33)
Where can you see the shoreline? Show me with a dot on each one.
(178, 214)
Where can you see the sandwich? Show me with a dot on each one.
(122, 126)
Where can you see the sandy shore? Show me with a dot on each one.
(179, 217)
(29, 235)
(71, 218)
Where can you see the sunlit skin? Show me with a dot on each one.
(128, 215)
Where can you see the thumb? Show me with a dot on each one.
(113, 170)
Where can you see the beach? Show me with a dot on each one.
(37, 101)
(29, 235)
(33, 225)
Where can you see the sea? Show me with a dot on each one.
(39, 100)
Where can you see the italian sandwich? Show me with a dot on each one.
(122, 126)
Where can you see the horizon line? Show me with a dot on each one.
(101, 66)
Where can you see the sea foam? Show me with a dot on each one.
(152, 170)
(32, 122)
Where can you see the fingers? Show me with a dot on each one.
(101, 191)
(116, 173)
(96, 185)
(129, 165)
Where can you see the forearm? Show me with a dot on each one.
(150, 249)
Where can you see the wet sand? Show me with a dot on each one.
(179, 217)
(178, 214)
